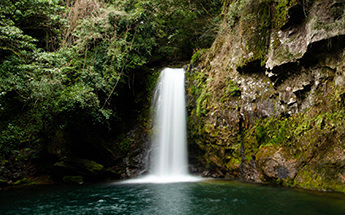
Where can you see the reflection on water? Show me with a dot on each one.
(212, 197)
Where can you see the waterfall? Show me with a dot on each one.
(169, 142)
(169, 161)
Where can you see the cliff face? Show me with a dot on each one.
(267, 100)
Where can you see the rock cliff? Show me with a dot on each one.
(267, 100)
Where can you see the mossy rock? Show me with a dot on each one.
(73, 179)
(22, 181)
(90, 165)
(233, 164)
(324, 172)
(266, 151)
(311, 178)
(197, 56)
(81, 166)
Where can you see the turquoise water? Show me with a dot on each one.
(208, 197)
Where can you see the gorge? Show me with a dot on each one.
(264, 84)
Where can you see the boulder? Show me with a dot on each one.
(275, 163)
(78, 166)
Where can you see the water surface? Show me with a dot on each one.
(207, 197)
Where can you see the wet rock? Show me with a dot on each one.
(289, 101)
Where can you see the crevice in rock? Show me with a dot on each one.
(321, 49)
(301, 92)
(296, 16)
(315, 52)
(252, 67)
(282, 72)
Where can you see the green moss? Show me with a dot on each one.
(231, 92)
(3, 181)
(22, 181)
(260, 134)
(198, 91)
(273, 131)
(124, 143)
(151, 82)
(234, 12)
(233, 89)
(91, 166)
(208, 128)
(282, 11)
(265, 24)
(197, 56)
(233, 164)
(256, 24)
(78, 164)
(214, 133)
(309, 179)
(201, 103)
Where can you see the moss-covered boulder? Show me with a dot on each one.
(79, 166)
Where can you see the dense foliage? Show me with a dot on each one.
(63, 61)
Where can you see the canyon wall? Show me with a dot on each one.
(266, 102)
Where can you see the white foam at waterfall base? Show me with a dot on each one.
(152, 179)
(169, 163)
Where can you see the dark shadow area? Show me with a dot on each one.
(296, 16)
(283, 71)
(252, 67)
(321, 49)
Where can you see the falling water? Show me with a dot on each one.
(169, 143)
